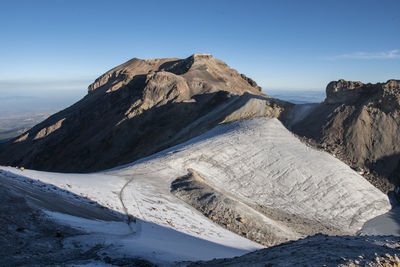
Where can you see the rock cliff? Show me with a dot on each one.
(360, 124)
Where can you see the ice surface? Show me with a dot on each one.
(257, 161)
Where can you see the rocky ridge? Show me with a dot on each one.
(359, 123)
(137, 109)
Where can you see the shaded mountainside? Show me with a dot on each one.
(360, 124)
(137, 109)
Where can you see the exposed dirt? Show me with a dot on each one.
(321, 250)
(360, 125)
(260, 224)
(226, 211)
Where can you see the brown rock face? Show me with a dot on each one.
(137, 109)
(202, 72)
(342, 91)
(360, 124)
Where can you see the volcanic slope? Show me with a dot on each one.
(139, 108)
(360, 124)
(262, 173)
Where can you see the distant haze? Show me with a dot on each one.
(24, 104)
(298, 96)
(53, 95)
(34, 96)
(28, 99)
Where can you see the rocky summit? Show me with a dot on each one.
(137, 109)
(359, 123)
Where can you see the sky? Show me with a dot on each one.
(59, 47)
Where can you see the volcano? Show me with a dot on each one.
(137, 109)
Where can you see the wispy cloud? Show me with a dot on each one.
(368, 55)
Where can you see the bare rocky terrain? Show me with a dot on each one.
(321, 250)
(242, 218)
(137, 109)
(228, 212)
(252, 177)
(358, 123)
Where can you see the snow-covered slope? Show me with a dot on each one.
(261, 162)
(257, 162)
(182, 234)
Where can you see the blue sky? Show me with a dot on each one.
(64, 45)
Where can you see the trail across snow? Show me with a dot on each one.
(129, 219)
(260, 162)
(164, 243)
(256, 161)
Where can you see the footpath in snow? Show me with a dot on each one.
(258, 162)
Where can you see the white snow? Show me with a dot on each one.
(258, 161)
(151, 241)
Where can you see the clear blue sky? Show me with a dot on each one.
(64, 45)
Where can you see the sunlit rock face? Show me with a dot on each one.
(360, 124)
(137, 109)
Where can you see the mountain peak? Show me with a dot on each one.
(342, 91)
(201, 72)
(138, 108)
(202, 55)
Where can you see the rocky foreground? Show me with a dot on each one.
(321, 250)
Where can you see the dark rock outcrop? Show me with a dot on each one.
(320, 250)
(360, 124)
(137, 109)
(255, 222)
(224, 210)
